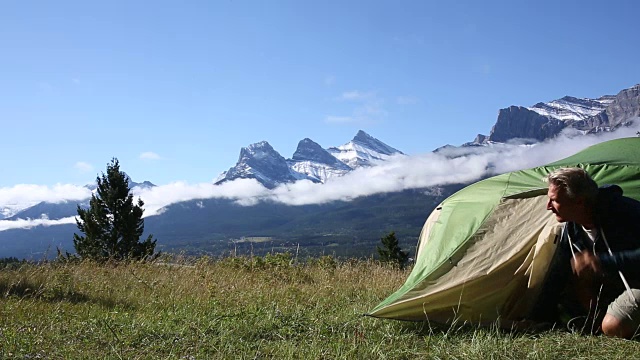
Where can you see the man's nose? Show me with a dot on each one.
(549, 207)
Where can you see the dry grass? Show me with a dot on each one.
(242, 308)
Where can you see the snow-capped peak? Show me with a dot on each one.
(364, 139)
(316, 163)
(258, 150)
(363, 150)
(261, 162)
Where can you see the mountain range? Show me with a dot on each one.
(219, 226)
(537, 123)
(310, 161)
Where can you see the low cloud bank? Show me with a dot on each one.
(29, 223)
(33, 194)
(448, 166)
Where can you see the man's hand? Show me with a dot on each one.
(585, 263)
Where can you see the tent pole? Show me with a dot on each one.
(624, 280)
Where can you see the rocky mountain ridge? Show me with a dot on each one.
(310, 161)
(546, 120)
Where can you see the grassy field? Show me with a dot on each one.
(244, 308)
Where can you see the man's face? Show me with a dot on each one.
(563, 207)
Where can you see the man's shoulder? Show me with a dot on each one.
(630, 206)
(612, 200)
(622, 213)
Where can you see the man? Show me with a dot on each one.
(601, 243)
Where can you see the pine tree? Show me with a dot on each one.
(113, 224)
(391, 252)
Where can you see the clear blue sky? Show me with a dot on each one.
(175, 89)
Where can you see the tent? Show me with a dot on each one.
(484, 252)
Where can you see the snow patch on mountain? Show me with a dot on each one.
(570, 108)
(318, 172)
(9, 210)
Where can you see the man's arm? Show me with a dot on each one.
(620, 261)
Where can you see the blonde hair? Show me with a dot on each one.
(575, 181)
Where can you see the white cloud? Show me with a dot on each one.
(399, 173)
(407, 100)
(244, 191)
(149, 155)
(83, 166)
(27, 194)
(29, 223)
(356, 95)
(369, 112)
(368, 108)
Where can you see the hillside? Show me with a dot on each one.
(218, 227)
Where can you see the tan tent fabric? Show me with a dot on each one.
(491, 270)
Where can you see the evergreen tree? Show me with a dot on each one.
(390, 251)
(113, 224)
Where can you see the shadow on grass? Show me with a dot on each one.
(424, 328)
(27, 290)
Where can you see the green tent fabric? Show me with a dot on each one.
(484, 252)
